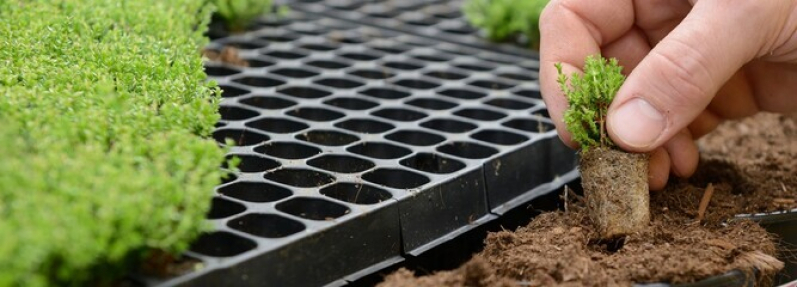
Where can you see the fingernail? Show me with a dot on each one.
(637, 123)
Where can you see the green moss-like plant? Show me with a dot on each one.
(506, 20)
(589, 95)
(238, 14)
(104, 142)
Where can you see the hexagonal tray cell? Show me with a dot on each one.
(360, 56)
(294, 73)
(499, 137)
(244, 45)
(239, 137)
(415, 137)
(231, 113)
(379, 150)
(313, 208)
(491, 84)
(431, 104)
(518, 77)
(222, 244)
(385, 93)
(509, 104)
(480, 114)
(357, 193)
(252, 163)
(340, 83)
(449, 125)
(396, 178)
(230, 91)
(417, 84)
(282, 54)
(401, 115)
(433, 163)
(220, 71)
(288, 150)
(462, 94)
(222, 208)
(316, 114)
(341, 163)
(372, 74)
(327, 137)
(351, 103)
(304, 92)
(365, 126)
(328, 64)
(320, 46)
(277, 125)
(270, 103)
(532, 94)
(402, 65)
(266, 225)
(446, 75)
(300, 177)
(467, 150)
(261, 82)
(255, 191)
(256, 63)
(530, 125)
(481, 67)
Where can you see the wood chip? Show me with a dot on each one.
(701, 211)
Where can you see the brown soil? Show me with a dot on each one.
(751, 167)
(616, 191)
(227, 55)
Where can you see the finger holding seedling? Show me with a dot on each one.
(690, 65)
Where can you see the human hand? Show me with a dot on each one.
(690, 65)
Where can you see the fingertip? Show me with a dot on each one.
(684, 154)
(659, 169)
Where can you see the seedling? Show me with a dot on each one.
(615, 182)
(507, 20)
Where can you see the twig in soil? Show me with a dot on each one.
(701, 211)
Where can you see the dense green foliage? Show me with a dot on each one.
(237, 14)
(589, 96)
(104, 151)
(506, 20)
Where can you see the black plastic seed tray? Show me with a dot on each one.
(439, 19)
(360, 145)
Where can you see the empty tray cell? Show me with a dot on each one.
(228, 177)
(379, 150)
(541, 113)
(239, 137)
(245, 45)
(327, 138)
(448, 125)
(344, 4)
(230, 91)
(462, 94)
(396, 178)
(251, 163)
(431, 104)
(266, 225)
(255, 191)
(278, 38)
(431, 57)
(459, 29)
(320, 46)
(222, 208)
(509, 104)
(340, 83)
(489, 84)
(304, 92)
(499, 137)
(442, 11)
(365, 126)
(417, 84)
(475, 67)
(300, 177)
(446, 75)
(288, 150)
(316, 114)
(256, 63)
(417, 138)
(418, 19)
(402, 115)
(529, 125)
(455, 49)
(467, 150)
(236, 113)
(262, 82)
(341, 163)
(434, 163)
(294, 73)
(282, 54)
(388, 47)
(533, 94)
(402, 66)
(356, 193)
(222, 244)
(360, 56)
(220, 71)
(308, 29)
(385, 93)
(373, 74)
(271, 103)
(276, 125)
(379, 11)
(518, 77)
(497, 58)
(351, 103)
(328, 64)
(313, 208)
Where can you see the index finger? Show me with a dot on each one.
(571, 30)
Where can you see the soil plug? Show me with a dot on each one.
(615, 182)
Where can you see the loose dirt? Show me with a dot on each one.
(751, 167)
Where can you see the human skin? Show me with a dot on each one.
(690, 64)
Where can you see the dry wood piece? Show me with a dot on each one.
(701, 211)
(228, 55)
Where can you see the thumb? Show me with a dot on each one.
(681, 74)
